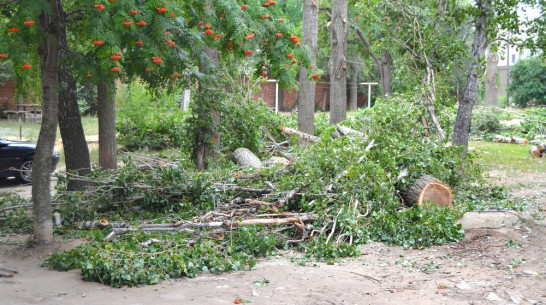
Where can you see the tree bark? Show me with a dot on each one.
(470, 92)
(306, 96)
(353, 88)
(302, 136)
(337, 64)
(106, 91)
(204, 150)
(490, 80)
(245, 158)
(48, 53)
(76, 151)
(386, 74)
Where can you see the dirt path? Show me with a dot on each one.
(503, 266)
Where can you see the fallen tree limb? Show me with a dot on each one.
(235, 187)
(287, 197)
(307, 137)
(512, 139)
(345, 131)
(186, 226)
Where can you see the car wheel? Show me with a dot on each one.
(25, 171)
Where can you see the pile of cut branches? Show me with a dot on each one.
(325, 198)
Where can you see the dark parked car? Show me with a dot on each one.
(16, 159)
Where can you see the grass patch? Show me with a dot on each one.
(30, 132)
(503, 156)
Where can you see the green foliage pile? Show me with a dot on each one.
(175, 255)
(13, 218)
(486, 123)
(362, 205)
(528, 85)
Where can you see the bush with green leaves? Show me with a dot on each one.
(485, 122)
(528, 82)
(149, 119)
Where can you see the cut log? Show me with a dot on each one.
(502, 139)
(535, 153)
(538, 151)
(307, 137)
(428, 188)
(520, 140)
(245, 158)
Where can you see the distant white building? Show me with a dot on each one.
(509, 55)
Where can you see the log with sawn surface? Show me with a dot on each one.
(427, 188)
(245, 158)
(538, 151)
(305, 136)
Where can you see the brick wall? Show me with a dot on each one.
(287, 98)
(6, 95)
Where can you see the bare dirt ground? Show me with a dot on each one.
(490, 266)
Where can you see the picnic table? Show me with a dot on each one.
(18, 113)
(24, 110)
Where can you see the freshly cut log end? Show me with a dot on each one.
(538, 151)
(425, 189)
(535, 152)
(245, 158)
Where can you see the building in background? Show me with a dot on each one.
(510, 55)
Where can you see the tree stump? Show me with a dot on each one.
(245, 158)
(427, 188)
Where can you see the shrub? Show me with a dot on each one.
(149, 119)
(528, 82)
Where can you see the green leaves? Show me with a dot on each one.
(124, 263)
(528, 85)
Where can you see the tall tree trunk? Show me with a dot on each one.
(203, 149)
(490, 80)
(106, 92)
(48, 53)
(76, 151)
(306, 96)
(353, 88)
(386, 74)
(337, 64)
(470, 92)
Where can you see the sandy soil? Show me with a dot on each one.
(481, 269)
